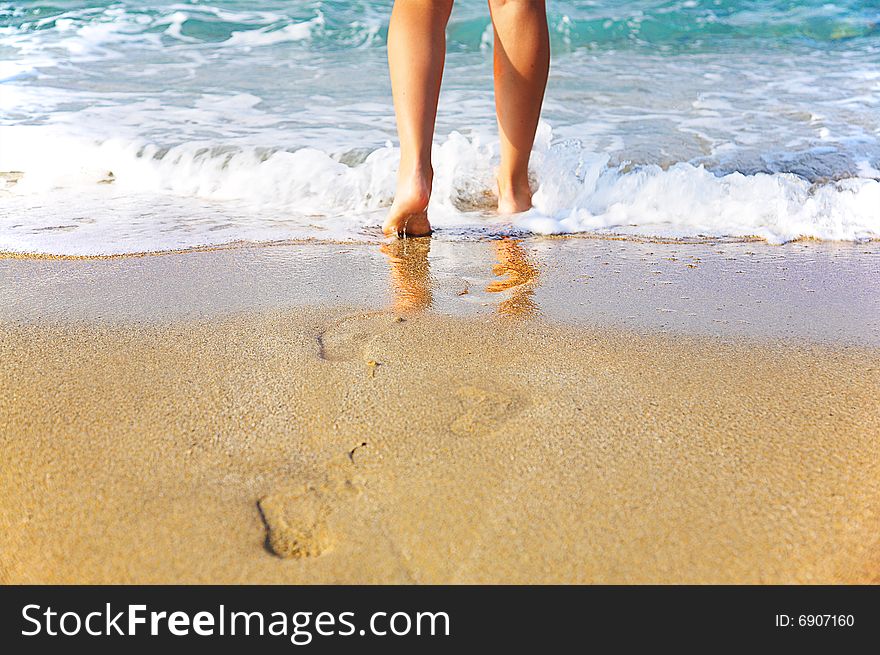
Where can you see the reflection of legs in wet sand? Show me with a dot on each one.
(521, 277)
(410, 275)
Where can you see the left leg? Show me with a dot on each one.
(522, 64)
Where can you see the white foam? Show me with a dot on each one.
(689, 201)
(271, 36)
(212, 194)
(10, 70)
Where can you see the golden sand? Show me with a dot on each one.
(332, 445)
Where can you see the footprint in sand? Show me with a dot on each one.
(295, 524)
(483, 409)
(297, 518)
(346, 339)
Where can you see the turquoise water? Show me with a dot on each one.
(136, 126)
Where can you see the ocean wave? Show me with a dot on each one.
(687, 201)
(268, 194)
(89, 28)
(89, 32)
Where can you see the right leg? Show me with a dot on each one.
(416, 53)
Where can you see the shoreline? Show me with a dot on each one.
(437, 236)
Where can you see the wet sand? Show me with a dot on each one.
(816, 292)
(389, 417)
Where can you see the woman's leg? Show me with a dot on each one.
(416, 53)
(522, 63)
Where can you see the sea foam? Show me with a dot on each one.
(263, 194)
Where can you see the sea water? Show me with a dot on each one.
(144, 126)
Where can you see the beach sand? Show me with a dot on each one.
(212, 418)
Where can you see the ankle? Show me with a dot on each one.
(415, 182)
(414, 169)
(513, 186)
(514, 193)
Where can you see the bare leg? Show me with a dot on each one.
(416, 53)
(522, 63)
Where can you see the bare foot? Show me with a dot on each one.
(408, 215)
(514, 197)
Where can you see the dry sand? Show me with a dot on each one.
(334, 444)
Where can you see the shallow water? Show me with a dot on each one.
(139, 126)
